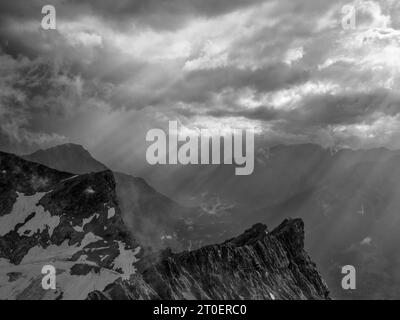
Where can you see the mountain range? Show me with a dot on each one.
(75, 223)
(349, 200)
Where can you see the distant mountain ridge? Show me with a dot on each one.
(69, 157)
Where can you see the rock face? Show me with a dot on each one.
(74, 223)
(255, 265)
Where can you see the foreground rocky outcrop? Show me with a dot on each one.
(74, 223)
(256, 265)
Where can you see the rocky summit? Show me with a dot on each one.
(74, 223)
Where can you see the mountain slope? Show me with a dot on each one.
(67, 157)
(156, 220)
(70, 222)
(153, 218)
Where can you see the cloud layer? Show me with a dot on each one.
(114, 69)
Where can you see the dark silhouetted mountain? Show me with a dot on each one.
(67, 157)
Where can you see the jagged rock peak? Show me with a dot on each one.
(255, 265)
(255, 233)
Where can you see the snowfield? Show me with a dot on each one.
(23, 281)
(23, 207)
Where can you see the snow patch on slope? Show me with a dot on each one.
(85, 222)
(39, 223)
(23, 207)
(111, 213)
(125, 260)
(78, 287)
(71, 286)
(62, 252)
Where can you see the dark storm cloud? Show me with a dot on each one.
(321, 110)
(285, 64)
(201, 86)
(35, 95)
(264, 113)
(165, 14)
(121, 73)
(197, 85)
(118, 14)
(148, 7)
(347, 109)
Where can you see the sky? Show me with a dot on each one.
(112, 70)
